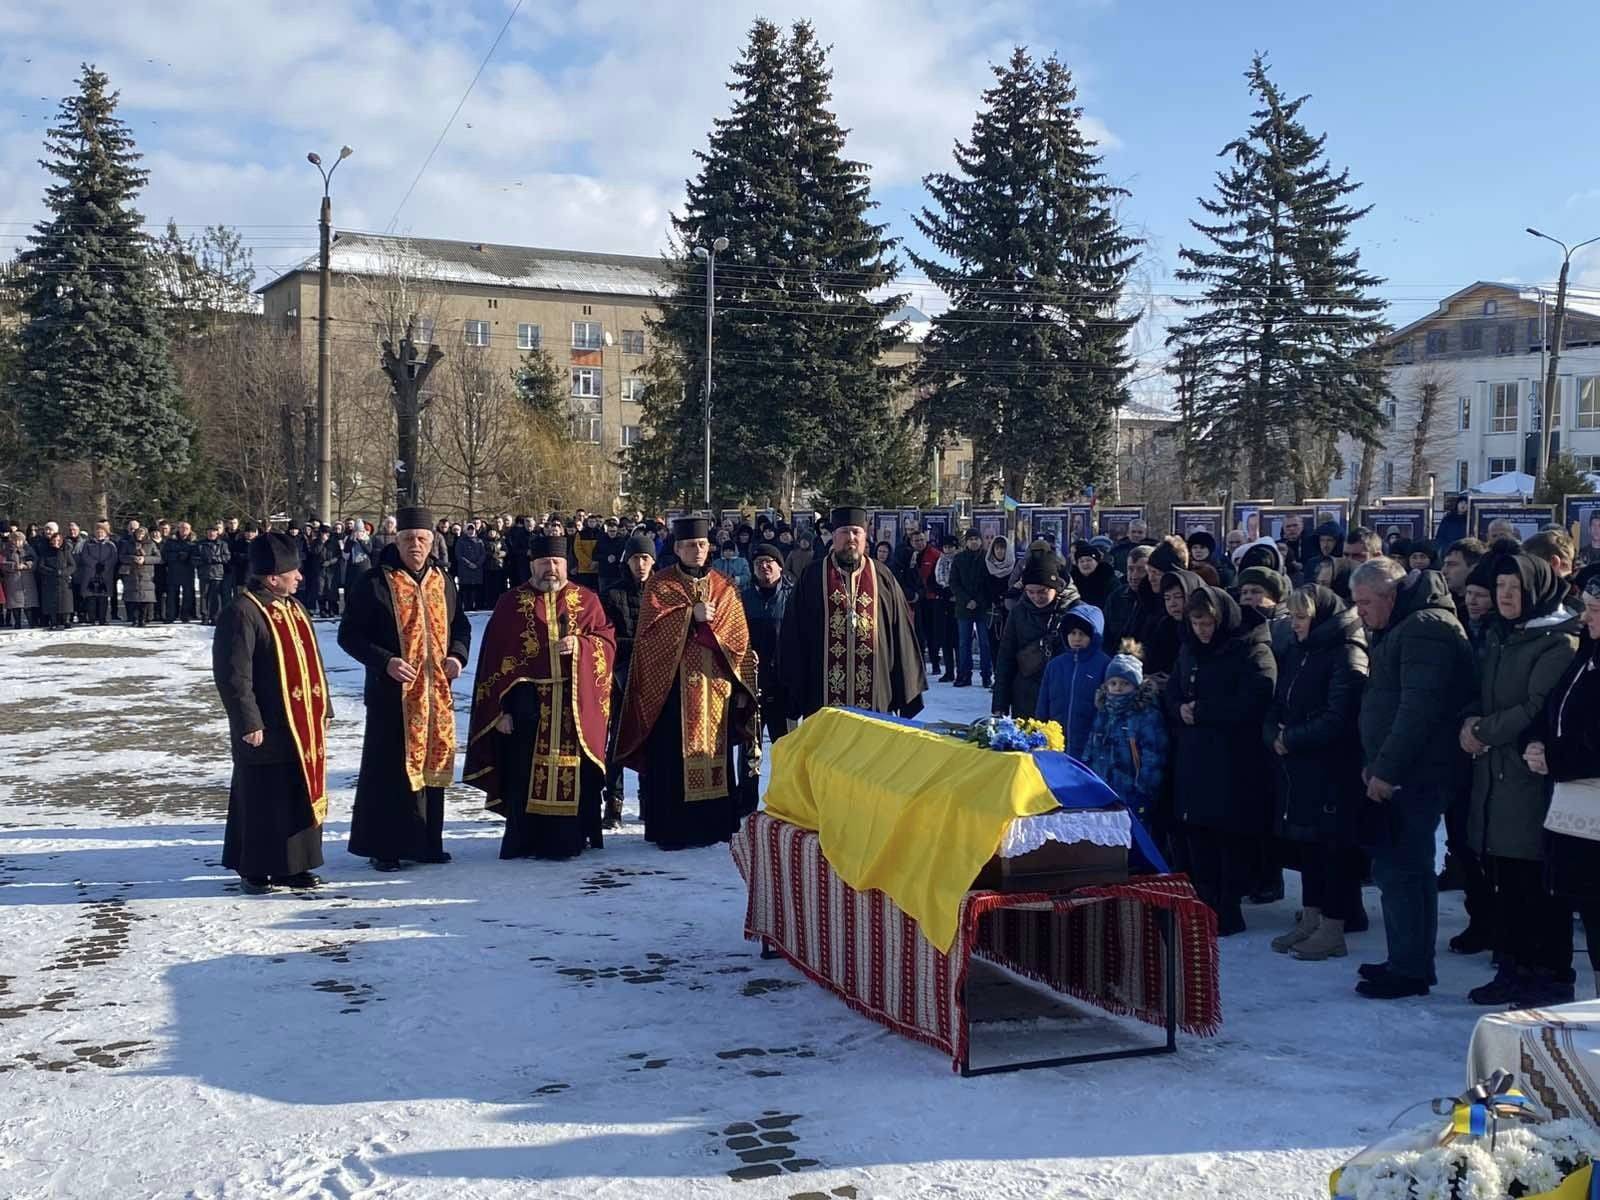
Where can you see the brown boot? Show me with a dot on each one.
(613, 818)
(1304, 927)
(1327, 941)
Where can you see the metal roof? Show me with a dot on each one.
(490, 265)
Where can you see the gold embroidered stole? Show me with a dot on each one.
(704, 690)
(427, 707)
(557, 755)
(305, 693)
(850, 620)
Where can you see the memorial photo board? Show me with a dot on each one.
(1580, 516)
(938, 522)
(1050, 524)
(1246, 515)
(990, 524)
(1273, 517)
(1392, 522)
(1193, 518)
(1524, 519)
(1113, 521)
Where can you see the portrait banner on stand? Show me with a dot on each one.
(910, 522)
(1273, 518)
(736, 515)
(885, 527)
(1051, 525)
(1580, 517)
(1329, 508)
(1524, 520)
(1080, 523)
(1113, 520)
(990, 524)
(1399, 522)
(803, 522)
(1246, 516)
(938, 523)
(1197, 518)
(1405, 502)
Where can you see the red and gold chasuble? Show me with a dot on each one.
(305, 693)
(850, 635)
(428, 708)
(709, 661)
(519, 650)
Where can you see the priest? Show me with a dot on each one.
(847, 639)
(537, 739)
(403, 622)
(690, 697)
(268, 671)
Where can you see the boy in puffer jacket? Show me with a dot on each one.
(1066, 694)
(1128, 743)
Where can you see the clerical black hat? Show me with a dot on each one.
(848, 516)
(544, 546)
(274, 554)
(640, 543)
(413, 518)
(687, 529)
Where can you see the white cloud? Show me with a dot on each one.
(594, 110)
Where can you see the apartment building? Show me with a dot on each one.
(1467, 381)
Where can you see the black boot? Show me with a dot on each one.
(1508, 985)
(303, 881)
(385, 864)
(255, 885)
(1474, 939)
(434, 857)
(1390, 986)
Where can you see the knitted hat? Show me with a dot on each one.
(1126, 666)
(640, 543)
(1268, 580)
(1102, 541)
(1087, 550)
(767, 550)
(1043, 569)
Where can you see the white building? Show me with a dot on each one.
(1466, 381)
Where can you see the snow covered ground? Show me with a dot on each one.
(594, 1028)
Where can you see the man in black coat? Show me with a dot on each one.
(403, 622)
(178, 555)
(95, 576)
(268, 670)
(1421, 674)
(621, 603)
(766, 600)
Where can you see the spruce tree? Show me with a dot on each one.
(96, 384)
(1286, 331)
(1030, 360)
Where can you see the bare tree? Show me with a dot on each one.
(469, 426)
(1429, 402)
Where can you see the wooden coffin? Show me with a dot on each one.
(1054, 867)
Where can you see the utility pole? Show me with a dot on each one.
(407, 373)
(1547, 402)
(324, 355)
(709, 257)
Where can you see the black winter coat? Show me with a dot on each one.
(95, 572)
(1569, 727)
(211, 558)
(621, 604)
(969, 581)
(763, 613)
(1221, 777)
(53, 571)
(1319, 791)
(1017, 694)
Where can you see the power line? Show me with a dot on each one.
(516, 8)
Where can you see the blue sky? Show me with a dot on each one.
(1466, 121)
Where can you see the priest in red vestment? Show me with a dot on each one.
(540, 708)
(690, 697)
(847, 639)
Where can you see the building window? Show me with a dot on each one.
(527, 336)
(1466, 413)
(1388, 478)
(1472, 336)
(1435, 342)
(1505, 334)
(633, 341)
(1402, 351)
(1490, 307)
(964, 470)
(423, 334)
(494, 304)
(1501, 466)
(476, 333)
(1390, 409)
(1463, 475)
(1534, 336)
(586, 428)
(624, 481)
(586, 335)
(1589, 402)
(1503, 408)
(587, 382)
(630, 436)
(1587, 463)
(633, 390)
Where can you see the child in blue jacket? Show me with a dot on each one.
(1128, 744)
(1066, 695)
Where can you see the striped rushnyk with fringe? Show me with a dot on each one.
(1100, 944)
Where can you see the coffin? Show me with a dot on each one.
(1059, 851)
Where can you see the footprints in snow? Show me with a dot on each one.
(769, 1070)
(765, 1146)
(612, 877)
(83, 1056)
(660, 966)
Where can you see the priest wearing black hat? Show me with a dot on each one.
(623, 602)
(847, 638)
(268, 671)
(537, 735)
(690, 696)
(403, 622)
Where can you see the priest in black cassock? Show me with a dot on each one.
(847, 638)
(268, 671)
(403, 622)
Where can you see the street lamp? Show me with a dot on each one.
(709, 257)
(1553, 346)
(324, 407)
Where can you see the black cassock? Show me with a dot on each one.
(898, 679)
(541, 835)
(272, 832)
(390, 820)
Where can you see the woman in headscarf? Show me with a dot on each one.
(1565, 750)
(1203, 552)
(1161, 649)
(1216, 699)
(1032, 636)
(1311, 731)
(1529, 646)
(1093, 574)
(1000, 562)
(800, 557)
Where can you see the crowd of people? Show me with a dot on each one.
(1317, 702)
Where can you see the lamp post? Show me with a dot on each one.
(1553, 343)
(709, 257)
(324, 406)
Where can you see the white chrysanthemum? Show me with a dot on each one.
(1352, 1180)
(1483, 1179)
(1541, 1174)
(1432, 1189)
(1514, 1157)
(1387, 1187)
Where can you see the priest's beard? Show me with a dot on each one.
(847, 559)
(546, 584)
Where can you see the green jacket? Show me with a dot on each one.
(1420, 669)
(1521, 665)
(969, 580)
